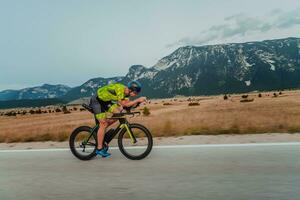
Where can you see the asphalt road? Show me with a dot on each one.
(199, 172)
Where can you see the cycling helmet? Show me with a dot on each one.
(135, 86)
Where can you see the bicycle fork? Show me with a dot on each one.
(132, 137)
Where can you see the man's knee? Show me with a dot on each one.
(103, 123)
(111, 121)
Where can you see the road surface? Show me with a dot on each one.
(209, 172)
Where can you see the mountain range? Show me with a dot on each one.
(197, 70)
(224, 68)
(45, 91)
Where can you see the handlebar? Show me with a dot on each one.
(128, 112)
(119, 115)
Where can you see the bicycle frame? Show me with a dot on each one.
(109, 135)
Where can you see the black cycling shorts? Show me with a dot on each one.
(99, 106)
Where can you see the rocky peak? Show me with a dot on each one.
(139, 71)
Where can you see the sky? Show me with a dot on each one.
(71, 41)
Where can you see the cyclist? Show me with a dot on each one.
(110, 99)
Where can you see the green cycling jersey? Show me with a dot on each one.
(112, 92)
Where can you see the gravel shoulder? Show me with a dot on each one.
(178, 140)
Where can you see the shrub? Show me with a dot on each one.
(82, 109)
(280, 93)
(245, 96)
(259, 95)
(167, 104)
(246, 100)
(74, 108)
(11, 113)
(57, 110)
(194, 104)
(32, 112)
(65, 110)
(38, 111)
(275, 94)
(146, 111)
(225, 97)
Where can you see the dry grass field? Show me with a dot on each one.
(171, 117)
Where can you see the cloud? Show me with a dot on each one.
(289, 19)
(275, 12)
(234, 16)
(240, 25)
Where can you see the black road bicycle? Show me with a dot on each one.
(134, 140)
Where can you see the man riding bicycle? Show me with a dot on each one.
(111, 99)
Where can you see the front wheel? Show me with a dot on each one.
(83, 143)
(141, 148)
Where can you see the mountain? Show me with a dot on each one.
(51, 94)
(197, 70)
(41, 92)
(224, 68)
(89, 88)
(56, 92)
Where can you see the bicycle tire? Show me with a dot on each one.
(72, 139)
(149, 146)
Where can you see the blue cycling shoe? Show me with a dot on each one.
(106, 148)
(103, 152)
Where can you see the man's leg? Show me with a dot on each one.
(104, 123)
(100, 150)
(101, 131)
(111, 121)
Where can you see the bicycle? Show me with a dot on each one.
(134, 141)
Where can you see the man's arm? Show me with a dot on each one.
(127, 103)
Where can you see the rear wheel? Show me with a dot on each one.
(82, 143)
(143, 145)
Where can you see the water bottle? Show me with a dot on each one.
(109, 135)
